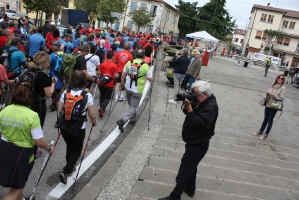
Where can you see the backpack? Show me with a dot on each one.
(100, 53)
(30, 77)
(133, 72)
(74, 105)
(59, 63)
(67, 68)
(5, 56)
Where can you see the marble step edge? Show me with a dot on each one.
(230, 169)
(182, 142)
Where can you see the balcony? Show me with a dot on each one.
(289, 32)
(283, 48)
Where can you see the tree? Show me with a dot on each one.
(216, 20)
(89, 6)
(106, 7)
(188, 18)
(141, 17)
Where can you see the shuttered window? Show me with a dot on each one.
(258, 35)
(279, 41)
(286, 41)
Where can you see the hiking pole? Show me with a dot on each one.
(150, 103)
(41, 172)
(55, 99)
(82, 157)
(95, 90)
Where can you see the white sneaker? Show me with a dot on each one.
(172, 101)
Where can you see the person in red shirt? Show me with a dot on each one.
(107, 70)
(141, 41)
(49, 39)
(3, 37)
(122, 57)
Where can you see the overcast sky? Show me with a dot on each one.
(240, 10)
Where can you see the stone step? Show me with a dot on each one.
(155, 190)
(241, 140)
(211, 161)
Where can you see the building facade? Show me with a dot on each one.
(10, 4)
(238, 37)
(282, 20)
(165, 20)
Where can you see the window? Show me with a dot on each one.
(150, 29)
(130, 25)
(143, 5)
(258, 35)
(270, 18)
(164, 15)
(286, 41)
(170, 17)
(241, 41)
(153, 10)
(264, 36)
(292, 25)
(279, 41)
(237, 39)
(263, 17)
(7, 6)
(133, 6)
(285, 24)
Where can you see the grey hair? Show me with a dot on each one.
(202, 86)
(185, 51)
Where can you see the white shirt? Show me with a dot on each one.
(92, 64)
(89, 101)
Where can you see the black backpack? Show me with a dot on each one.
(5, 55)
(101, 54)
(30, 77)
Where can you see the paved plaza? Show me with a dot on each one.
(238, 164)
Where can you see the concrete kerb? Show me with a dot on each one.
(93, 188)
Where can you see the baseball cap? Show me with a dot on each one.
(16, 40)
(84, 47)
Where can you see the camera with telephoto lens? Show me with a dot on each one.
(190, 96)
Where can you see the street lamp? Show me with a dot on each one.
(17, 4)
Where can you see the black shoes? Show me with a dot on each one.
(121, 124)
(63, 178)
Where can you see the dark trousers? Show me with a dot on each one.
(186, 177)
(185, 82)
(105, 96)
(268, 119)
(74, 147)
(40, 108)
(266, 69)
(55, 98)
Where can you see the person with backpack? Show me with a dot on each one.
(101, 51)
(107, 74)
(21, 132)
(73, 107)
(69, 45)
(136, 73)
(121, 59)
(14, 60)
(56, 61)
(92, 63)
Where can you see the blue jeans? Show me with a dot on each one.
(268, 119)
(191, 81)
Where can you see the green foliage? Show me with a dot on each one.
(272, 33)
(141, 17)
(105, 7)
(216, 20)
(89, 6)
(186, 23)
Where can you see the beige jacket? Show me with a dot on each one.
(278, 94)
(195, 68)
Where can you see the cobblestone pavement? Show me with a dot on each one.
(237, 166)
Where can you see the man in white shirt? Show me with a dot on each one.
(92, 63)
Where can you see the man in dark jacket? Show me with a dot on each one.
(198, 128)
(181, 66)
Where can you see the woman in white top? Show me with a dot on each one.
(92, 63)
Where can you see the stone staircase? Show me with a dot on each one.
(236, 167)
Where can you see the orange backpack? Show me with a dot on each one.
(74, 105)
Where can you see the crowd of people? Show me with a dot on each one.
(38, 63)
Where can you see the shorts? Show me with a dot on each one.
(118, 80)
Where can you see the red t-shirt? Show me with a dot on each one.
(3, 40)
(142, 42)
(122, 58)
(3, 75)
(49, 40)
(108, 68)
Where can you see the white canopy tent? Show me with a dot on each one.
(203, 35)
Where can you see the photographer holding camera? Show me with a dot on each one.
(201, 110)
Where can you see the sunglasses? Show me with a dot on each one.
(280, 78)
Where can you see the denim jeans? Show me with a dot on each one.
(191, 81)
(268, 119)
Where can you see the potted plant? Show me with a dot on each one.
(169, 76)
(171, 52)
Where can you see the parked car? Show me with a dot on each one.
(10, 13)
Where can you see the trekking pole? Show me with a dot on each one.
(150, 103)
(57, 96)
(82, 157)
(95, 90)
(41, 172)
